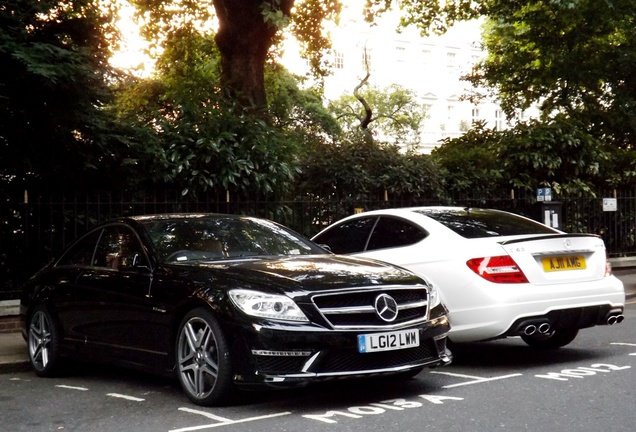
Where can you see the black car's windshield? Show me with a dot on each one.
(477, 223)
(218, 238)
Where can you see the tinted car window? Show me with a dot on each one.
(476, 223)
(348, 237)
(222, 238)
(392, 232)
(81, 253)
(118, 248)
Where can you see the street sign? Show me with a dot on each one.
(544, 194)
(609, 204)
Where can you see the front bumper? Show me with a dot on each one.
(286, 355)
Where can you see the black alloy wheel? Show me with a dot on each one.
(203, 360)
(43, 342)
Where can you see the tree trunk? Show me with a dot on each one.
(243, 39)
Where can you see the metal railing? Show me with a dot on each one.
(34, 228)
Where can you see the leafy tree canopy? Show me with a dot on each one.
(358, 169)
(247, 30)
(559, 153)
(202, 141)
(53, 84)
(396, 116)
(575, 57)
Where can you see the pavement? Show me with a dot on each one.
(14, 355)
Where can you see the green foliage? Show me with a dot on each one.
(426, 15)
(296, 110)
(396, 117)
(559, 153)
(248, 30)
(360, 169)
(572, 57)
(227, 151)
(54, 81)
(201, 140)
(469, 164)
(307, 27)
(163, 18)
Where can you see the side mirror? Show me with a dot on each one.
(325, 247)
(135, 261)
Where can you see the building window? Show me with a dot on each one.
(451, 61)
(338, 60)
(475, 115)
(499, 120)
(428, 109)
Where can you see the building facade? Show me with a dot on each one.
(431, 66)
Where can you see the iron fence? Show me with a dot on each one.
(34, 227)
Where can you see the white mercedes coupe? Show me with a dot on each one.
(499, 274)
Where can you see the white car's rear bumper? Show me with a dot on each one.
(497, 309)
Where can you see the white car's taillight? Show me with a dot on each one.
(608, 267)
(498, 269)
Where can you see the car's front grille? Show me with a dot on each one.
(356, 309)
(279, 365)
(334, 361)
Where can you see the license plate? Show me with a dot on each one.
(562, 263)
(388, 341)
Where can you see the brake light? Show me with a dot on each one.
(608, 267)
(498, 269)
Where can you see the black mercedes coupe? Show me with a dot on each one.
(227, 302)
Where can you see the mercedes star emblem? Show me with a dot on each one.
(386, 307)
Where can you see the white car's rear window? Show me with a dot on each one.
(477, 223)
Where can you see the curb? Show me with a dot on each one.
(14, 355)
(15, 366)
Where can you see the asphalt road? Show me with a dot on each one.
(500, 385)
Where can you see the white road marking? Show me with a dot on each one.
(456, 375)
(205, 414)
(72, 387)
(121, 396)
(475, 379)
(231, 422)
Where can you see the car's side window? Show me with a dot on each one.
(348, 237)
(81, 253)
(119, 248)
(392, 232)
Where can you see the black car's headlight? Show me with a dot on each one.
(433, 294)
(264, 305)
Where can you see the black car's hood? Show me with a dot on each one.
(314, 272)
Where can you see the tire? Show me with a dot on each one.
(552, 340)
(203, 360)
(43, 342)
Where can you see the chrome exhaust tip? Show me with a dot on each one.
(530, 329)
(544, 328)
